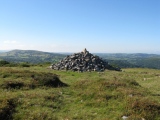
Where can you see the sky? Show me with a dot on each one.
(107, 26)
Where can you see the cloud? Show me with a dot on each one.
(9, 42)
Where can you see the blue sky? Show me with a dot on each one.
(109, 26)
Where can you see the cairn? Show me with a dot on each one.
(83, 61)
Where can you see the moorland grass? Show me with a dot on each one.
(106, 95)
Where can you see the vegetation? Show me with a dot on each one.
(118, 60)
(32, 93)
(3, 63)
(30, 56)
(133, 60)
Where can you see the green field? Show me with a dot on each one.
(107, 95)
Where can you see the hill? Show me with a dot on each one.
(30, 56)
(32, 93)
(121, 60)
(2, 51)
(133, 60)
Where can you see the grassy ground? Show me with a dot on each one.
(109, 95)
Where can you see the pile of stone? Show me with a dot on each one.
(83, 61)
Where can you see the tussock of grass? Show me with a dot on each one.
(29, 79)
(50, 80)
(142, 107)
(13, 84)
(7, 108)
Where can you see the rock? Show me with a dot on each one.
(124, 117)
(130, 95)
(83, 61)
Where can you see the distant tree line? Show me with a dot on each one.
(137, 63)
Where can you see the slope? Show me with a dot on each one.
(31, 56)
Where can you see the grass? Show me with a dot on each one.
(29, 93)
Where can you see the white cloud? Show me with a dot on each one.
(9, 42)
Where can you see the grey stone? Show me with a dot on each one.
(83, 61)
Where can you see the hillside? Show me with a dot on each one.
(32, 93)
(133, 60)
(2, 51)
(31, 56)
(140, 60)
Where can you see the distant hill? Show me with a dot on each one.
(133, 60)
(122, 60)
(31, 56)
(2, 51)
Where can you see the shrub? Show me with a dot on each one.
(3, 63)
(24, 65)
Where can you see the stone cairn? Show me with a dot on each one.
(83, 61)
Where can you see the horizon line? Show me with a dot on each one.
(158, 53)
